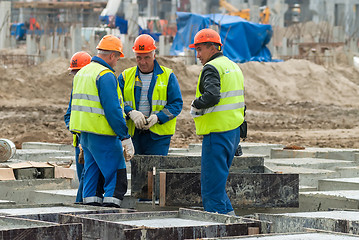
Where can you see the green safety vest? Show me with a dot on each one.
(87, 114)
(159, 99)
(228, 113)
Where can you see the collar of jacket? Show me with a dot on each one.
(216, 55)
(157, 70)
(102, 62)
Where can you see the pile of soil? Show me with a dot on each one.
(293, 102)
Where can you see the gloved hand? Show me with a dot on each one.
(195, 112)
(138, 118)
(128, 149)
(152, 120)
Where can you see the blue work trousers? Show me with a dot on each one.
(79, 171)
(146, 144)
(105, 179)
(217, 155)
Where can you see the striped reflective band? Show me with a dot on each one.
(86, 97)
(234, 93)
(88, 109)
(112, 200)
(224, 107)
(92, 200)
(159, 102)
(167, 112)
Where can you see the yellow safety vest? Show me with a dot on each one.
(159, 99)
(228, 113)
(87, 114)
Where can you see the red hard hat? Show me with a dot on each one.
(144, 44)
(111, 43)
(79, 60)
(206, 35)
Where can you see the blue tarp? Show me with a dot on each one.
(243, 40)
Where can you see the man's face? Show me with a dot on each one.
(145, 61)
(204, 52)
(114, 57)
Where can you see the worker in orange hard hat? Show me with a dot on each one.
(97, 113)
(78, 61)
(152, 98)
(218, 112)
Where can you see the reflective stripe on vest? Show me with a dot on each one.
(87, 114)
(228, 113)
(159, 99)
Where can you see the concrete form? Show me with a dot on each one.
(339, 183)
(335, 221)
(17, 228)
(327, 153)
(247, 148)
(314, 163)
(324, 200)
(182, 224)
(244, 189)
(48, 146)
(141, 165)
(51, 212)
(41, 155)
(307, 176)
(295, 236)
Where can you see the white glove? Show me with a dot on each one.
(138, 118)
(152, 120)
(128, 149)
(195, 112)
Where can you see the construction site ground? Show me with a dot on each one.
(295, 102)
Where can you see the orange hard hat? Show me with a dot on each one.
(144, 44)
(206, 35)
(111, 43)
(79, 60)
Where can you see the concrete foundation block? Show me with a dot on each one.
(181, 224)
(313, 163)
(51, 212)
(307, 176)
(142, 164)
(17, 228)
(324, 200)
(327, 153)
(339, 183)
(311, 235)
(47, 146)
(335, 221)
(40, 155)
(256, 190)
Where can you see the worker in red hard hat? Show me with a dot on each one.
(218, 112)
(78, 61)
(152, 98)
(97, 113)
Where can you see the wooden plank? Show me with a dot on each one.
(162, 189)
(149, 184)
(253, 230)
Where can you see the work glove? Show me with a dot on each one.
(195, 112)
(152, 120)
(138, 118)
(128, 149)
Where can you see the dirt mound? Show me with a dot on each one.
(294, 102)
(300, 81)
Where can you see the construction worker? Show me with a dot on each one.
(152, 100)
(97, 113)
(78, 61)
(218, 112)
